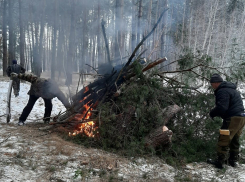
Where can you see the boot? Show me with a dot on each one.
(216, 162)
(46, 120)
(21, 123)
(233, 159)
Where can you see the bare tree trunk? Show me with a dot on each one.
(11, 52)
(149, 17)
(155, 35)
(163, 28)
(118, 28)
(61, 42)
(84, 39)
(99, 34)
(5, 48)
(134, 28)
(42, 24)
(190, 28)
(30, 51)
(53, 61)
(183, 25)
(139, 28)
(70, 55)
(22, 36)
(210, 18)
(212, 28)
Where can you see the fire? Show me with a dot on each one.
(87, 128)
(86, 89)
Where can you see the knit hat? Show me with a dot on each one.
(216, 78)
(14, 61)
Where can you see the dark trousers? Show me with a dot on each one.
(16, 86)
(32, 100)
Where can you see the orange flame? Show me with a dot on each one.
(87, 128)
(86, 89)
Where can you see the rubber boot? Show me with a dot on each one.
(233, 159)
(216, 162)
(46, 120)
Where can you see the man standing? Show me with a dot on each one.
(229, 107)
(15, 68)
(41, 87)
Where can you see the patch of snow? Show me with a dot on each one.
(31, 159)
(18, 104)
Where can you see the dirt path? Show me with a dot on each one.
(32, 153)
(29, 153)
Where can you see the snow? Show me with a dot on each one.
(18, 104)
(29, 157)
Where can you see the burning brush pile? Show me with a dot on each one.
(127, 109)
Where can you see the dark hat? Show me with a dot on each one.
(14, 61)
(216, 78)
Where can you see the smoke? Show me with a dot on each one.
(60, 34)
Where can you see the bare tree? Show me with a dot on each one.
(5, 51)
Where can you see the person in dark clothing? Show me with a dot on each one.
(15, 68)
(229, 107)
(40, 87)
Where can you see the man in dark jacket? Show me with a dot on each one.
(40, 87)
(15, 68)
(229, 107)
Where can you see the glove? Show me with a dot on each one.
(13, 75)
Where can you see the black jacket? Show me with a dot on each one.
(228, 101)
(16, 68)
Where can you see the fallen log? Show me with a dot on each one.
(162, 135)
(169, 112)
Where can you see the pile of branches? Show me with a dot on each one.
(132, 109)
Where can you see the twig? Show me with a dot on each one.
(89, 74)
(92, 68)
(138, 57)
(5, 139)
(186, 70)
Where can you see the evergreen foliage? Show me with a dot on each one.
(144, 97)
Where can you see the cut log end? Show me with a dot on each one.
(161, 136)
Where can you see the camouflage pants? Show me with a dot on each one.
(16, 86)
(229, 144)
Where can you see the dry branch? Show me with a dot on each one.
(8, 110)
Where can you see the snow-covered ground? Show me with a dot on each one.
(18, 104)
(30, 154)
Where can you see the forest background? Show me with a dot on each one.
(66, 35)
(199, 37)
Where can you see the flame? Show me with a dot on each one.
(86, 89)
(87, 128)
